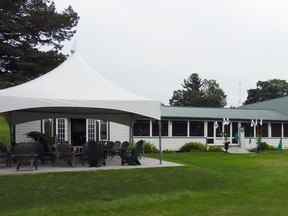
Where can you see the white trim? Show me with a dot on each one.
(188, 128)
(231, 132)
(205, 129)
(86, 130)
(269, 130)
(170, 128)
(66, 129)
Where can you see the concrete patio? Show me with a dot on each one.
(112, 164)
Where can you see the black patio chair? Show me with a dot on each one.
(117, 147)
(139, 148)
(47, 154)
(109, 148)
(129, 156)
(26, 153)
(96, 154)
(83, 155)
(64, 152)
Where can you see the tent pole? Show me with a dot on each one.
(12, 128)
(12, 133)
(131, 137)
(160, 142)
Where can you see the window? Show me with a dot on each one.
(276, 129)
(164, 128)
(210, 129)
(219, 130)
(248, 130)
(91, 130)
(262, 130)
(61, 131)
(48, 127)
(103, 130)
(196, 128)
(142, 128)
(179, 128)
(235, 132)
(285, 126)
(226, 131)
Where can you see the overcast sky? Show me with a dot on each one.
(150, 46)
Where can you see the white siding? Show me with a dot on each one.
(22, 129)
(119, 132)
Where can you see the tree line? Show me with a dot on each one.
(200, 92)
(32, 33)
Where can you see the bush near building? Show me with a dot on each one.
(193, 146)
(150, 148)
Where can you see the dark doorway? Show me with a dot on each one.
(78, 132)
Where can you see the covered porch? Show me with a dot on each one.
(74, 90)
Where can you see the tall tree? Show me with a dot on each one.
(199, 92)
(266, 90)
(31, 36)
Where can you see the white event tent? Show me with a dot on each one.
(74, 89)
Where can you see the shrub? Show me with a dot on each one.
(193, 146)
(266, 147)
(263, 146)
(150, 148)
(215, 149)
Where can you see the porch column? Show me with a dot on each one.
(239, 134)
(269, 130)
(231, 131)
(214, 132)
(188, 128)
(170, 128)
(205, 129)
(255, 131)
(160, 142)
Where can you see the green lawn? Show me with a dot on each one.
(4, 131)
(209, 184)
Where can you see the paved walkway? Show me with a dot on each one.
(112, 164)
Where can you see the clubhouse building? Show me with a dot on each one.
(74, 104)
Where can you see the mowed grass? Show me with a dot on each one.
(209, 184)
(4, 131)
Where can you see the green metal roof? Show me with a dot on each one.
(277, 104)
(220, 113)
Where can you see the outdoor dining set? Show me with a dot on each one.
(92, 154)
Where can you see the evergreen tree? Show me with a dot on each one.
(266, 90)
(199, 92)
(31, 36)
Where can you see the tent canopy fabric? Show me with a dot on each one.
(75, 84)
